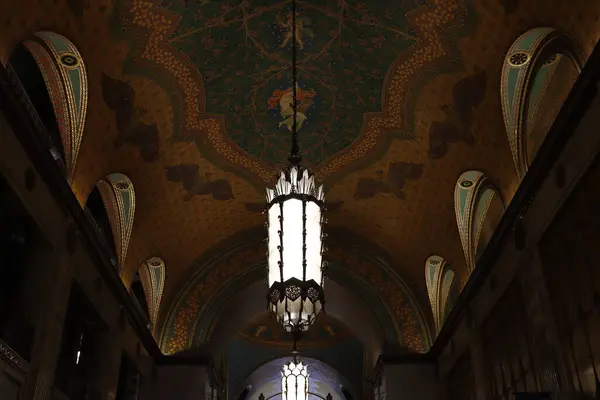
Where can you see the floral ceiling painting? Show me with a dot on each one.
(243, 50)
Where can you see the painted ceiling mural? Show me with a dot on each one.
(188, 98)
(227, 67)
(344, 50)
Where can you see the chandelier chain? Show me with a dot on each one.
(295, 205)
(295, 153)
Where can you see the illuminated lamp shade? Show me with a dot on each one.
(294, 381)
(295, 262)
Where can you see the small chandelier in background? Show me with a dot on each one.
(295, 235)
(294, 380)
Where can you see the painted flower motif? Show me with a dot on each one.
(207, 41)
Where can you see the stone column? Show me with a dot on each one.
(52, 267)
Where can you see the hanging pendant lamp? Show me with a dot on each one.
(295, 235)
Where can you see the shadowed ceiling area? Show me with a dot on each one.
(182, 116)
(267, 331)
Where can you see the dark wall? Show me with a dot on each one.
(569, 253)
(462, 384)
(9, 386)
(510, 346)
(413, 381)
(25, 270)
(181, 382)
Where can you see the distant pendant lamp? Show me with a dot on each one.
(294, 380)
(295, 236)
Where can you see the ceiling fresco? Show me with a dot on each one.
(225, 67)
(243, 51)
(187, 98)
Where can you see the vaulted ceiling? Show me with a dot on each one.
(398, 99)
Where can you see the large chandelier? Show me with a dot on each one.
(294, 381)
(295, 235)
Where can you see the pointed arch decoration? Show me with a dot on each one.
(66, 79)
(440, 281)
(478, 207)
(526, 73)
(118, 196)
(152, 275)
